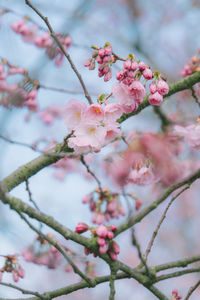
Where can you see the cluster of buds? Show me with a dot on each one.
(105, 205)
(175, 295)
(104, 58)
(12, 265)
(17, 95)
(133, 70)
(30, 35)
(104, 235)
(42, 253)
(192, 66)
(158, 88)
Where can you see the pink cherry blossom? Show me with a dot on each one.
(81, 227)
(162, 87)
(74, 112)
(191, 134)
(155, 99)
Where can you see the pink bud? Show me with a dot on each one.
(134, 66)
(110, 235)
(108, 76)
(101, 231)
(155, 99)
(106, 59)
(127, 64)
(87, 62)
(113, 255)
(153, 87)
(142, 66)
(21, 272)
(92, 65)
(162, 87)
(113, 227)
(101, 242)
(15, 275)
(108, 50)
(138, 204)
(1, 276)
(147, 73)
(101, 52)
(86, 199)
(103, 249)
(99, 59)
(87, 252)
(81, 227)
(120, 75)
(115, 247)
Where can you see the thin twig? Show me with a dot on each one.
(63, 90)
(10, 285)
(195, 96)
(161, 221)
(137, 245)
(30, 195)
(92, 173)
(56, 245)
(56, 39)
(192, 289)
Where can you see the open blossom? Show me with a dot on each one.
(81, 227)
(143, 176)
(92, 126)
(191, 134)
(129, 96)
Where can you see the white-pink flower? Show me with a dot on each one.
(74, 112)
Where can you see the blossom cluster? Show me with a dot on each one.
(175, 295)
(192, 66)
(104, 58)
(12, 265)
(190, 133)
(92, 126)
(42, 253)
(104, 205)
(30, 34)
(150, 158)
(104, 235)
(16, 94)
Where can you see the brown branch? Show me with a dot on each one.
(56, 39)
(92, 174)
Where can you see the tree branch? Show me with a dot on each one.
(134, 220)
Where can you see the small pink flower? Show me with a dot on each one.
(155, 99)
(81, 227)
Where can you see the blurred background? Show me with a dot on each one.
(164, 34)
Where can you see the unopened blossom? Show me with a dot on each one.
(155, 99)
(81, 227)
(147, 74)
(103, 249)
(162, 87)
